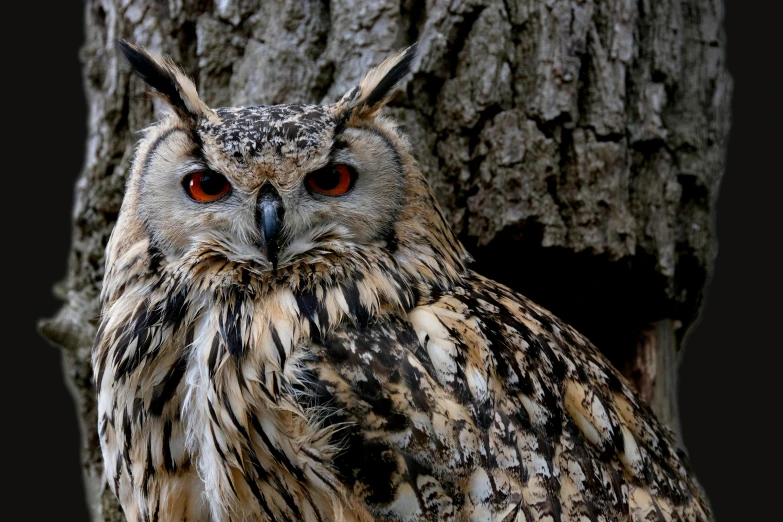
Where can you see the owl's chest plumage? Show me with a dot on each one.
(204, 398)
(286, 405)
(294, 403)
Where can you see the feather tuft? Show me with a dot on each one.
(167, 80)
(378, 86)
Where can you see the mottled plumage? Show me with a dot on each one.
(280, 353)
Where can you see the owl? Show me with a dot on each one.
(290, 330)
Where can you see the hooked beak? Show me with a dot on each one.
(269, 220)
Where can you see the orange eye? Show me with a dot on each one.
(206, 186)
(333, 180)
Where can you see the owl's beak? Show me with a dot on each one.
(269, 219)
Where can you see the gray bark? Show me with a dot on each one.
(576, 146)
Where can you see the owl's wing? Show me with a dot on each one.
(483, 406)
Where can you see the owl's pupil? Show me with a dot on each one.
(212, 184)
(328, 179)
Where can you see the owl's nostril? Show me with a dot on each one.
(269, 220)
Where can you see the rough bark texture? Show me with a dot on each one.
(575, 145)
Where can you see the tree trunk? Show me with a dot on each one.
(576, 146)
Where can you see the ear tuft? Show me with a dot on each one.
(167, 80)
(378, 86)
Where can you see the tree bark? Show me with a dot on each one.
(576, 147)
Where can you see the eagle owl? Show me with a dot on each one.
(290, 331)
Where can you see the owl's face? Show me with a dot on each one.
(265, 185)
(271, 186)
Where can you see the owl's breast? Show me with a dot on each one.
(257, 450)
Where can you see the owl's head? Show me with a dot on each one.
(280, 186)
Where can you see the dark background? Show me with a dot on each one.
(730, 374)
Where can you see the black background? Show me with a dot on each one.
(730, 376)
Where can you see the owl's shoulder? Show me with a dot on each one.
(478, 400)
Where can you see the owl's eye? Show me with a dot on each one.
(206, 186)
(333, 180)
